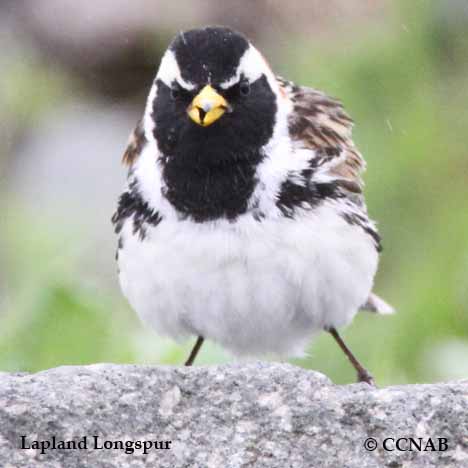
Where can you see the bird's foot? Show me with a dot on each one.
(364, 376)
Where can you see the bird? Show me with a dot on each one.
(243, 219)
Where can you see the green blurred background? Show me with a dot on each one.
(73, 83)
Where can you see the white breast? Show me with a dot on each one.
(254, 287)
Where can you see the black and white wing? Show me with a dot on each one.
(320, 123)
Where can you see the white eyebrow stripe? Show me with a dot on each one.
(252, 65)
(232, 81)
(169, 71)
(249, 65)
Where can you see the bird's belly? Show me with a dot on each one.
(255, 287)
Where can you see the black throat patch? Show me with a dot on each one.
(209, 192)
(209, 172)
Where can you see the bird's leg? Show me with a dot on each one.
(362, 374)
(194, 352)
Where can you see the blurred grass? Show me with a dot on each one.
(406, 88)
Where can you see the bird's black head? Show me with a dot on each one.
(213, 109)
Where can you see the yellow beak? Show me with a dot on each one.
(207, 107)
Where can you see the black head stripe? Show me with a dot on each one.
(210, 54)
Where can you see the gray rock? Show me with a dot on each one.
(250, 415)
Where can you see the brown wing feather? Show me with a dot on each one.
(319, 122)
(135, 144)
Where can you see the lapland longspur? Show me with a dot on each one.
(243, 220)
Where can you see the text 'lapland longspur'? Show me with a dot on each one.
(243, 220)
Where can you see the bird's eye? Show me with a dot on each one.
(175, 92)
(244, 88)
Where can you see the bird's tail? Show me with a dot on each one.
(377, 305)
